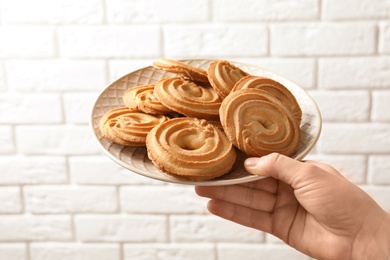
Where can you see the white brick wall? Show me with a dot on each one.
(65, 251)
(323, 38)
(109, 41)
(121, 228)
(61, 198)
(55, 75)
(229, 40)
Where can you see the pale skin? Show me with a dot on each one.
(309, 205)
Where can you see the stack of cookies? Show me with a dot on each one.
(192, 124)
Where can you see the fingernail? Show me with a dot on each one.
(251, 162)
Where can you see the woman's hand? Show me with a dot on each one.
(309, 205)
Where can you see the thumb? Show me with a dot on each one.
(280, 167)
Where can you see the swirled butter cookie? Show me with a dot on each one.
(126, 127)
(185, 70)
(258, 124)
(223, 76)
(190, 149)
(188, 98)
(142, 98)
(273, 87)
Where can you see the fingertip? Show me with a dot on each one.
(255, 165)
(220, 208)
(273, 165)
(199, 190)
(212, 206)
(251, 162)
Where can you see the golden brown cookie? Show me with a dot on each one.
(223, 76)
(273, 87)
(188, 98)
(183, 69)
(142, 98)
(190, 149)
(126, 127)
(258, 124)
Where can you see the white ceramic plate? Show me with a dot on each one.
(135, 159)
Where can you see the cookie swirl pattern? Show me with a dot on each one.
(273, 87)
(190, 149)
(142, 98)
(258, 124)
(185, 70)
(126, 127)
(188, 98)
(223, 75)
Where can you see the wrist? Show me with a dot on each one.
(376, 245)
(383, 239)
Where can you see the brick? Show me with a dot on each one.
(380, 194)
(340, 106)
(71, 199)
(109, 41)
(30, 109)
(77, 107)
(171, 200)
(121, 228)
(169, 251)
(384, 38)
(380, 110)
(355, 9)
(151, 11)
(233, 40)
(6, 140)
(119, 68)
(75, 251)
(205, 228)
(55, 140)
(379, 169)
(32, 170)
(301, 71)
(355, 138)
(35, 228)
(14, 38)
(13, 251)
(355, 73)
(263, 10)
(55, 12)
(56, 75)
(323, 39)
(3, 87)
(353, 167)
(252, 252)
(10, 200)
(102, 170)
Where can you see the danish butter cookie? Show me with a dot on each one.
(190, 149)
(258, 124)
(223, 76)
(126, 127)
(188, 98)
(185, 70)
(273, 87)
(142, 98)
